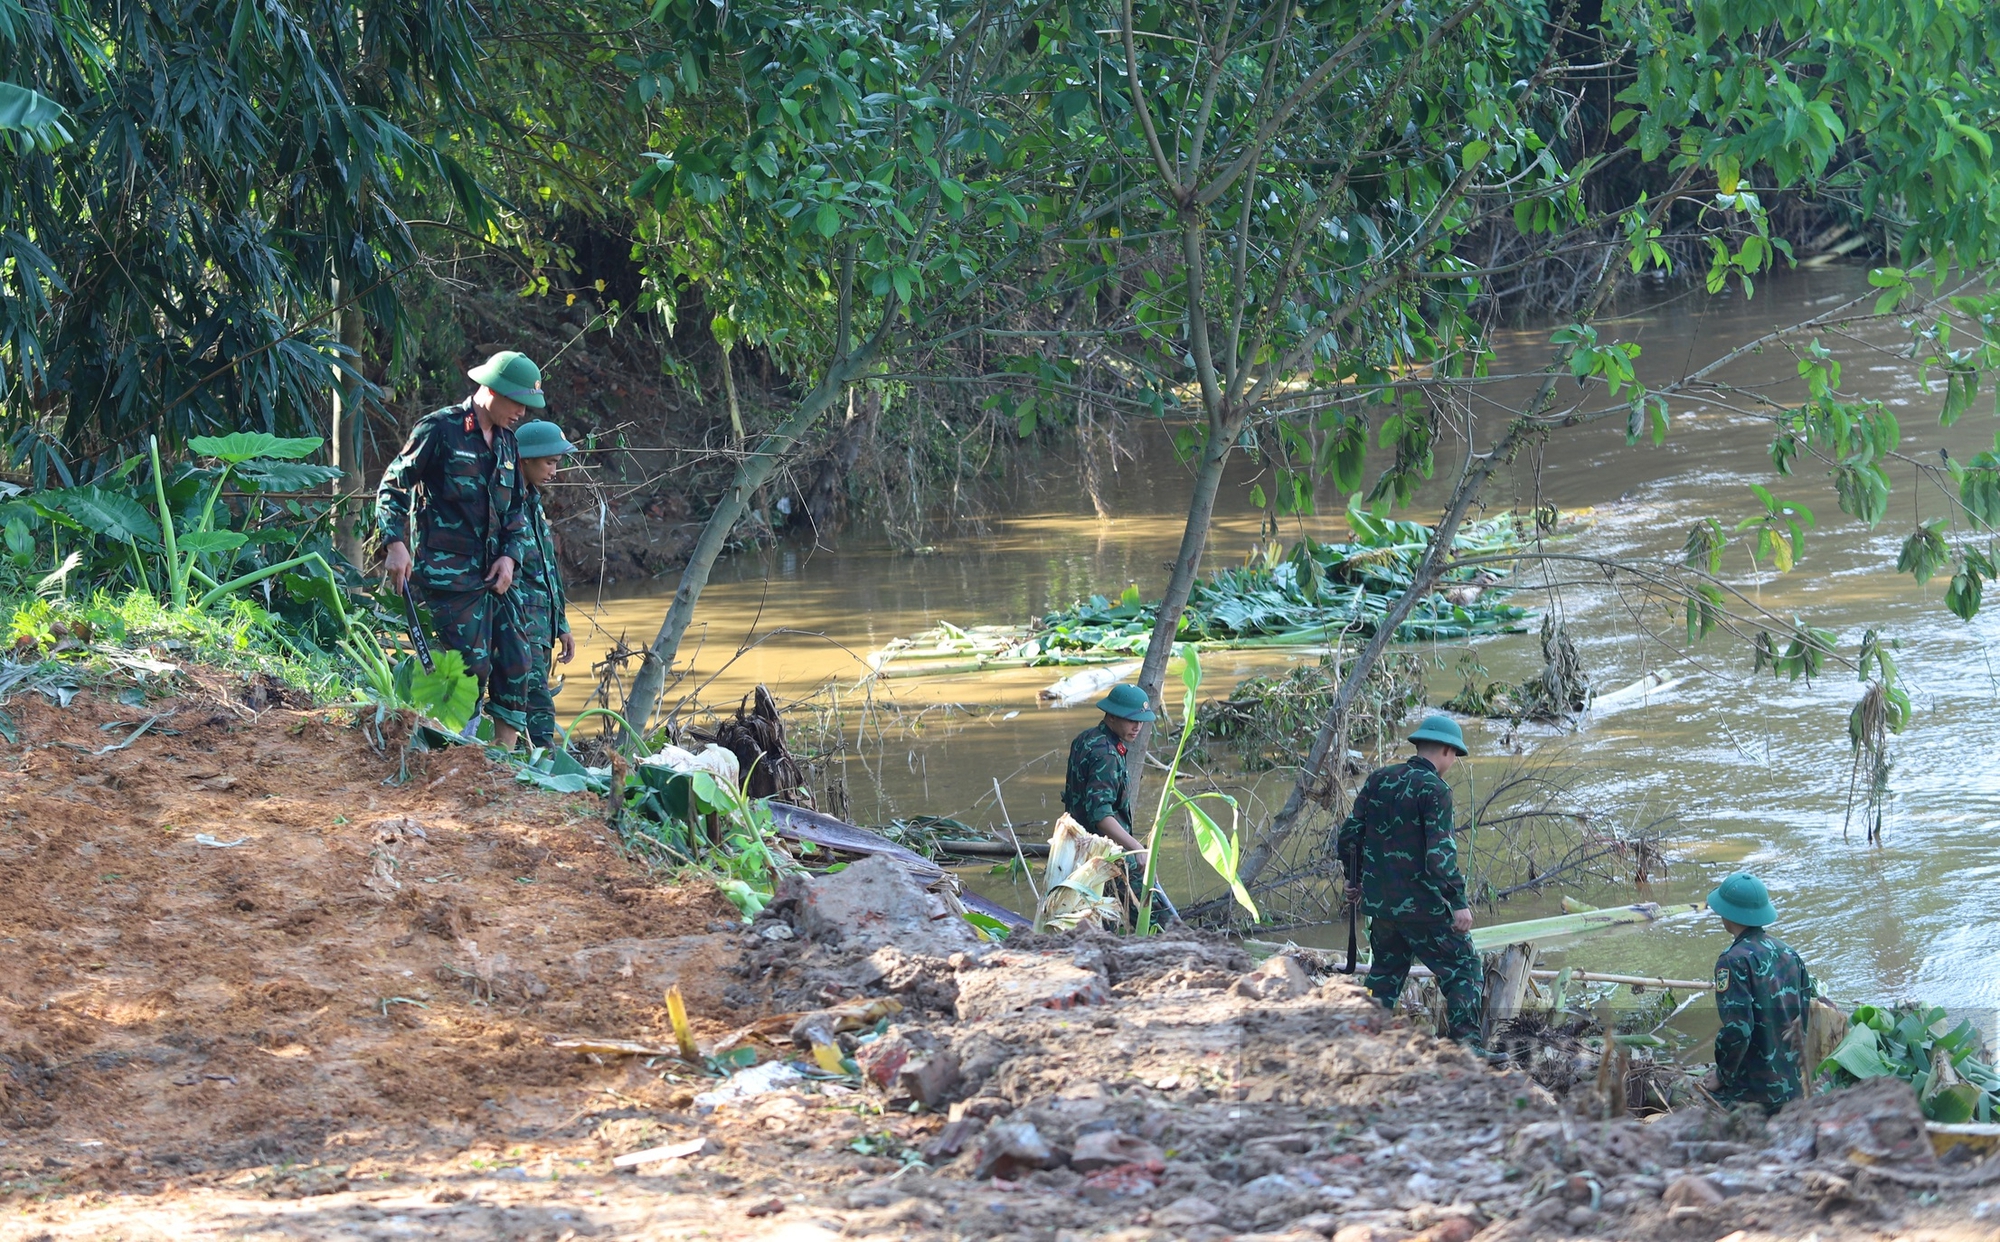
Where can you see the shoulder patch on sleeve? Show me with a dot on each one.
(1721, 980)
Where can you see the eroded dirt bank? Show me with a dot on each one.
(341, 1026)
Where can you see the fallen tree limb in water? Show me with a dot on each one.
(1540, 931)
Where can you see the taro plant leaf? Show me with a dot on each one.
(111, 514)
(207, 541)
(265, 475)
(567, 782)
(242, 446)
(447, 695)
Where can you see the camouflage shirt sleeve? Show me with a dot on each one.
(392, 497)
(1440, 851)
(1348, 843)
(514, 526)
(1736, 1003)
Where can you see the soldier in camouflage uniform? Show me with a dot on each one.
(1094, 786)
(1762, 994)
(1401, 864)
(536, 609)
(456, 488)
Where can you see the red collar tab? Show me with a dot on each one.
(1120, 746)
(469, 420)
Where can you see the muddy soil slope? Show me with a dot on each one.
(250, 990)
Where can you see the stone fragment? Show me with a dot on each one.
(1579, 1217)
(874, 902)
(1009, 982)
(956, 1136)
(1874, 1122)
(1450, 1229)
(1366, 1232)
(983, 1107)
(1186, 1213)
(1279, 979)
(1692, 1190)
(1123, 1181)
(882, 1060)
(927, 1080)
(1323, 1223)
(1009, 1149)
(1106, 1149)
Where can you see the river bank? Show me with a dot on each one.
(255, 985)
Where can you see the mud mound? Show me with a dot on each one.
(250, 990)
(239, 937)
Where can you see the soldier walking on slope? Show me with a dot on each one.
(1401, 864)
(470, 523)
(1762, 994)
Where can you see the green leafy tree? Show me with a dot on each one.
(836, 185)
(1876, 106)
(166, 269)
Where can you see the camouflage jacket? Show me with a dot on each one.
(1762, 992)
(538, 589)
(1402, 824)
(1094, 786)
(470, 501)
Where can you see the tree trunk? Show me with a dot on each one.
(825, 496)
(1180, 584)
(344, 438)
(751, 474)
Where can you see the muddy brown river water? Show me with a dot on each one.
(1755, 772)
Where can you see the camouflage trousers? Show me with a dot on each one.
(1459, 973)
(478, 625)
(540, 704)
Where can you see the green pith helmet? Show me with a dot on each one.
(513, 375)
(1742, 898)
(1127, 703)
(1443, 730)
(541, 438)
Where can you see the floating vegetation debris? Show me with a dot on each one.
(1313, 593)
(1558, 694)
(1269, 721)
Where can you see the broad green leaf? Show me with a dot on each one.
(265, 475)
(446, 695)
(111, 514)
(990, 927)
(1190, 668)
(242, 446)
(35, 117)
(1953, 1105)
(1221, 853)
(1859, 1055)
(568, 782)
(211, 541)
